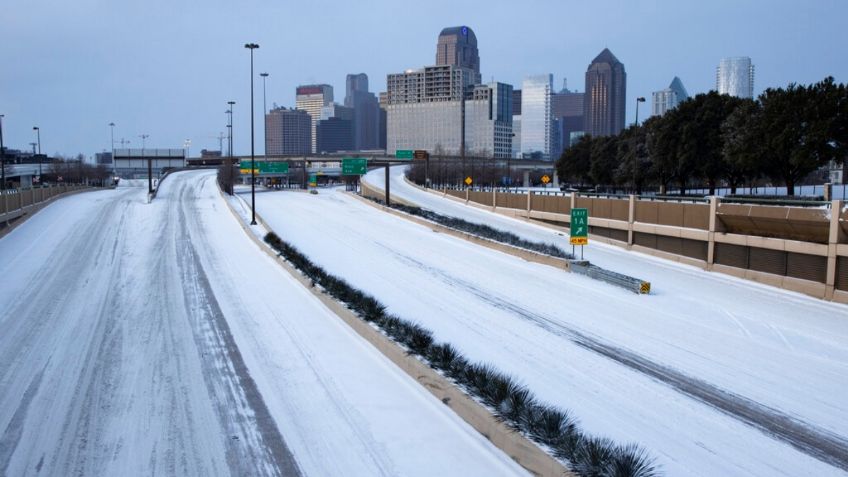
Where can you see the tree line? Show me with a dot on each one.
(783, 136)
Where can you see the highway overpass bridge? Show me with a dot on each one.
(330, 164)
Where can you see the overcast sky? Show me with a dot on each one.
(168, 67)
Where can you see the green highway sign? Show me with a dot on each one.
(404, 154)
(276, 167)
(266, 167)
(579, 226)
(354, 166)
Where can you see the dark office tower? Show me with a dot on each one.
(355, 83)
(516, 102)
(606, 91)
(366, 113)
(334, 134)
(458, 46)
(567, 109)
(288, 131)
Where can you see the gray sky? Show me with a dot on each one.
(167, 67)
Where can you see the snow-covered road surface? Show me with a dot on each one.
(142, 339)
(778, 351)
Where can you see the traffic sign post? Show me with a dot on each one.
(579, 234)
(422, 154)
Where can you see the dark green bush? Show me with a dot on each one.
(511, 402)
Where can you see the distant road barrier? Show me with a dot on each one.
(16, 203)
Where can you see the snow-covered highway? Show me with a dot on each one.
(780, 352)
(141, 339)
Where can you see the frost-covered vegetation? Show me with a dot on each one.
(513, 403)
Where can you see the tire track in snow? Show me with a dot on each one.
(255, 444)
(821, 444)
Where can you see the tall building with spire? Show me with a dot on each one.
(458, 46)
(605, 97)
(669, 98)
(735, 76)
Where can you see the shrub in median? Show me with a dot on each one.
(510, 401)
(482, 230)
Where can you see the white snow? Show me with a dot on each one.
(116, 355)
(777, 348)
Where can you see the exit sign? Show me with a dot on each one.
(579, 226)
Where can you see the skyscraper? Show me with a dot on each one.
(354, 83)
(606, 94)
(288, 131)
(366, 113)
(668, 98)
(537, 126)
(458, 46)
(735, 76)
(567, 107)
(334, 134)
(311, 98)
(430, 108)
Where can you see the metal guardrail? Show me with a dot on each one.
(636, 285)
(776, 202)
(674, 198)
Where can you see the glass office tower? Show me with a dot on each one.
(536, 115)
(735, 76)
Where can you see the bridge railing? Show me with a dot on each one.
(17, 202)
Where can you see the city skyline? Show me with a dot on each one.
(174, 83)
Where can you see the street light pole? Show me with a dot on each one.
(38, 134)
(149, 165)
(251, 47)
(112, 135)
(264, 117)
(640, 99)
(230, 147)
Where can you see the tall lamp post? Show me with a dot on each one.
(640, 99)
(2, 154)
(149, 164)
(251, 47)
(112, 136)
(230, 148)
(38, 135)
(264, 112)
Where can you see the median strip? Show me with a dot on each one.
(508, 242)
(553, 429)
